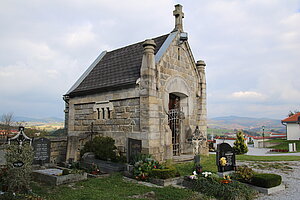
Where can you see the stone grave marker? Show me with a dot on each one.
(225, 158)
(134, 148)
(41, 148)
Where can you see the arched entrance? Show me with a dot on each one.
(175, 116)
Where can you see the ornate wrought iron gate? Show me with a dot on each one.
(175, 126)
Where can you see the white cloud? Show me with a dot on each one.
(251, 48)
(248, 95)
(80, 36)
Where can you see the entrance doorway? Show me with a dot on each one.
(175, 122)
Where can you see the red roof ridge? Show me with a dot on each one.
(293, 118)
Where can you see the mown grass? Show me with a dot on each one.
(284, 144)
(267, 158)
(209, 162)
(113, 187)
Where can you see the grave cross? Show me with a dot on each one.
(21, 137)
(197, 140)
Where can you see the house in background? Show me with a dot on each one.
(152, 91)
(292, 124)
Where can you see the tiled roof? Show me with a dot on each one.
(120, 67)
(293, 118)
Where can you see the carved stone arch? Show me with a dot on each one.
(177, 85)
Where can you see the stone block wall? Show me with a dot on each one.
(122, 122)
(177, 73)
(58, 150)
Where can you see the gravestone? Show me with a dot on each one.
(134, 148)
(225, 152)
(41, 148)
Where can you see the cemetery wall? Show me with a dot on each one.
(58, 150)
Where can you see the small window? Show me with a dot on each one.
(98, 113)
(178, 54)
(103, 113)
(108, 113)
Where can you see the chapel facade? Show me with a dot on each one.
(152, 91)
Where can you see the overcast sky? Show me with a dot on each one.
(251, 48)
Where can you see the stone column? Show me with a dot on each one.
(149, 117)
(202, 112)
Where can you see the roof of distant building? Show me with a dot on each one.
(117, 68)
(293, 118)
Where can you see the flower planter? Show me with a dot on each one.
(57, 179)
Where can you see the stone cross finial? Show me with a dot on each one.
(179, 15)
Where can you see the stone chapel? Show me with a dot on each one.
(153, 91)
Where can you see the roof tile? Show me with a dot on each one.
(119, 67)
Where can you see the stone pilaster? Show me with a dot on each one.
(202, 103)
(150, 124)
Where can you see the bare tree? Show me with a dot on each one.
(7, 120)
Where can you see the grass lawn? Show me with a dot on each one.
(267, 158)
(112, 187)
(209, 162)
(284, 144)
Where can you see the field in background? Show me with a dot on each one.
(49, 127)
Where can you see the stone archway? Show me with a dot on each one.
(178, 86)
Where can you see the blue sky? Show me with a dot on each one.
(251, 48)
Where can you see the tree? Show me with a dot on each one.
(291, 113)
(240, 146)
(7, 120)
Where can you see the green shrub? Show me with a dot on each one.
(240, 146)
(17, 179)
(163, 173)
(143, 168)
(103, 147)
(266, 180)
(230, 191)
(139, 157)
(243, 173)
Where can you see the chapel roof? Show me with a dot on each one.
(117, 68)
(293, 118)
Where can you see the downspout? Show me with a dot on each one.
(284, 124)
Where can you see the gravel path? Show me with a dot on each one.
(290, 172)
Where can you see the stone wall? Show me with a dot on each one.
(58, 150)
(123, 120)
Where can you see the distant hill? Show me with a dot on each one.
(248, 123)
(44, 120)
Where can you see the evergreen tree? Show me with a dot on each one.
(239, 145)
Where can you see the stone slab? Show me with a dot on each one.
(268, 190)
(49, 177)
(167, 182)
